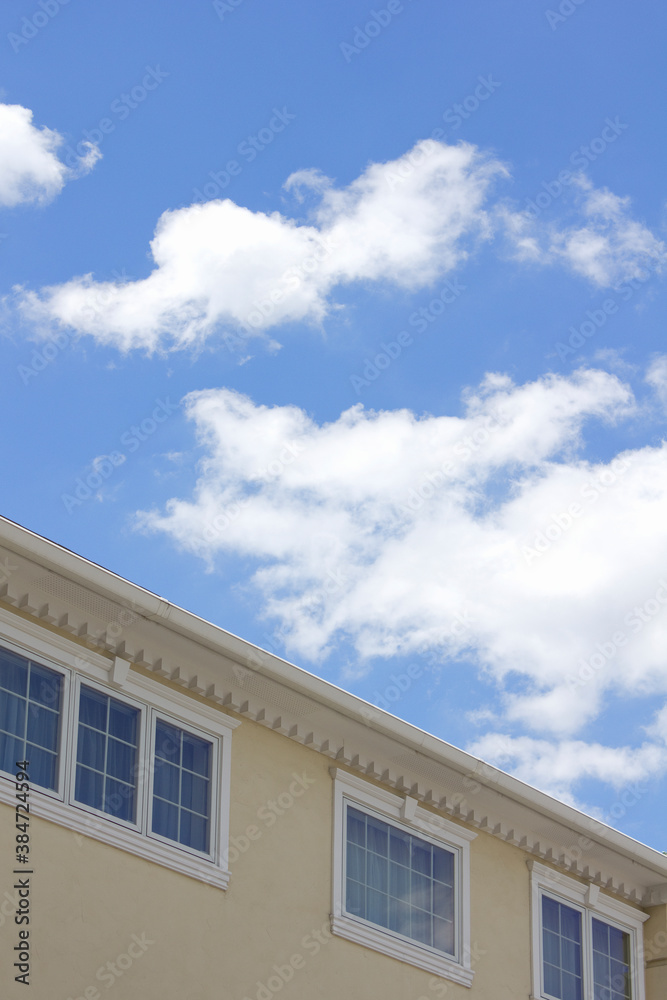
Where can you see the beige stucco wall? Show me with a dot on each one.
(90, 899)
(655, 953)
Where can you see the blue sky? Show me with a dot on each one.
(342, 327)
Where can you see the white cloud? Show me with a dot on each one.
(487, 535)
(556, 767)
(656, 377)
(221, 265)
(611, 247)
(30, 170)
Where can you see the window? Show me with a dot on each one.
(583, 941)
(142, 769)
(106, 760)
(401, 882)
(30, 705)
(181, 786)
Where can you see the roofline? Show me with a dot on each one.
(190, 625)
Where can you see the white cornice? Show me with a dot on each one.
(53, 590)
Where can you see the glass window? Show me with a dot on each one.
(561, 943)
(182, 787)
(106, 759)
(611, 962)
(30, 708)
(399, 881)
(575, 942)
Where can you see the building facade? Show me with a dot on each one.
(185, 815)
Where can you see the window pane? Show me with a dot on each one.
(119, 799)
(91, 748)
(194, 831)
(400, 847)
(399, 882)
(443, 866)
(421, 857)
(93, 709)
(11, 750)
(355, 902)
(378, 836)
(421, 926)
(356, 827)
(399, 917)
(443, 935)
(405, 897)
(165, 819)
(89, 787)
(182, 772)
(121, 760)
(45, 687)
(12, 715)
(196, 754)
(377, 872)
(611, 962)
(194, 794)
(166, 783)
(561, 950)
(377, 907)
(42, 727)
(168, 742)
(102, 719)
(43, 766)
(13, 672)
(123, 722)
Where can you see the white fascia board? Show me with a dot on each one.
(323, 693)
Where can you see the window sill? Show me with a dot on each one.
(108, 832)
(384, 942)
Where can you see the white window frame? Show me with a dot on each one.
(73, 734)
(214, 792)
(590, 902)
(406, 814)
(78, 665)
(14, 647)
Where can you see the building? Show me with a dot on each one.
(205, 821)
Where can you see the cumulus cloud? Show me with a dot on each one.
(554, 767)
(611, 247)
(387, 529)
(486, 536)
(30, 171)
(220, 266)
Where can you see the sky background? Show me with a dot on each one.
(343, 327)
